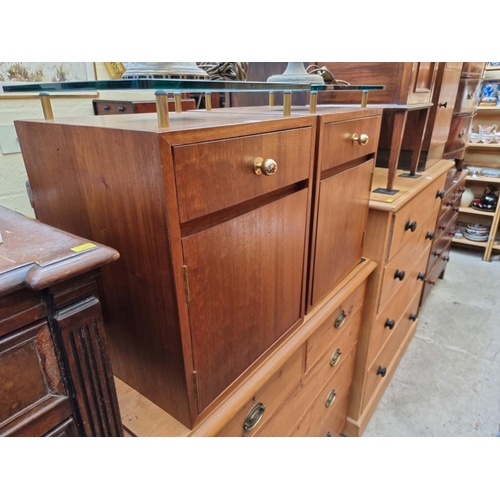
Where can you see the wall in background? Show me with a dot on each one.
(13, 107)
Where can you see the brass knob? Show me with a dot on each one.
(331, 398)
(340, 319)
(335, 357)
(254, 416)
(266, 167)
(361, 139)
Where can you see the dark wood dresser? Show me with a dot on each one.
(55, 374)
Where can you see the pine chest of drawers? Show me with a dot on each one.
(399, 238)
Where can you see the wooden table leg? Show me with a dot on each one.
(418, 139)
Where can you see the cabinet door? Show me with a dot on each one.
(245, 280)
(422, 82)
(342, 213)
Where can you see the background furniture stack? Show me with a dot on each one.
(482, 156)
(56, 378)
(226, 312)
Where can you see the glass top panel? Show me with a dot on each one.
(183, 85)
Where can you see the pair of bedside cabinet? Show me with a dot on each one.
(238, 304)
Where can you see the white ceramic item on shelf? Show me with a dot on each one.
(487, 138)
(487, 129)
(474, 137)
(467, 197)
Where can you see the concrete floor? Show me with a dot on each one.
(448, 382)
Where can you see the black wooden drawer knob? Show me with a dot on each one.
(399, 275)
(389, 323)
(381, 371)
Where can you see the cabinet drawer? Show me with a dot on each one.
(113, 108)
(338, 331)
(459, 135)
(342, 213)
(328, 412)
(435, 272)
(398, 272)
(468, 95)
(30, 373)
(414, 214)
(215, 175)
(384, 360)
(390, 318)
(267, 399)
(338, 145)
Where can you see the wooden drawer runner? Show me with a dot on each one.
(271, 396)
(215, 175)
(338, 146)
(414, 214)
(388, 352)
(328, 412)
(338, 328)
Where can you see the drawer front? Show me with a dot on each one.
(414, 214)
(19, 309)
(332, 357)
(254, 415)
(327, 414)
(440, 245)
(390, 318)
(470, 69)
(30, 373)
(399, 271)
(383, 361)
(113, 108)
(338, 146)
(469, 93)
(436, 271)
(459, 135)
(215, 175)
(342, 214)
(336, 329)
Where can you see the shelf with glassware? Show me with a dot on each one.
(479, 214)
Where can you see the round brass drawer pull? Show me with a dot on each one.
(331, 398)
(254, 416)
(266, 167)
(340, 320)
(335, 357)
(361, 139)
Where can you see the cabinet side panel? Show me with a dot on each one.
(107, 185)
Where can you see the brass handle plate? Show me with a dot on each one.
(361, 139)
(335, 357)
(340, 320)
(254, 416)
(266, 167)
(331, 398)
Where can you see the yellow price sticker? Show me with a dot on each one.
(85, 246)
(389, 200)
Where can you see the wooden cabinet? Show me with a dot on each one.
(440, 115)
(54, 366)
(397, 240)
(214, 219)
(444, 232)
(468, 96)
(405, 82)
(117, 107)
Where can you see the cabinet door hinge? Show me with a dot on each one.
(195, 385)
(186, 283)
